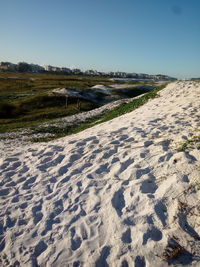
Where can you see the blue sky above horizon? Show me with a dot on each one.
(142, 36)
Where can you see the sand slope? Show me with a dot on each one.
(117, 194)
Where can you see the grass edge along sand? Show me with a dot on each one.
(58, 132)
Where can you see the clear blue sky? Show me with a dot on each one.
(143, 36)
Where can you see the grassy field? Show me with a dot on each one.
(25, 99)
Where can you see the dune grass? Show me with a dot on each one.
(25, 100)
(189, 144)
(72, 129)
(20, 117)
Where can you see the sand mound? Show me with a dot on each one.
(117, 194)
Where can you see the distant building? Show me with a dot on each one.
(56, 69)
(91, 72)
(8, 66)
(66, 70)
(52, 68)
(36, 68)
(25, 67)
(48, 67)
(76, 71)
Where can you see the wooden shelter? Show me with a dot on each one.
(68, 93)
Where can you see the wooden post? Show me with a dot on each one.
(78, 104)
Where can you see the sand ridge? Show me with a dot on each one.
(117, 194)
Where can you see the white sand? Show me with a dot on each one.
(117, 194)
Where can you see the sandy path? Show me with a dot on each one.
(112, 195)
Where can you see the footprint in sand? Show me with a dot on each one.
(13, 166)
(80, 144)
(50, 163)
(9, 222)
(84, 231)
(21, 222)
(52, 218)
(126, 236)
(76, 243)
(40, 248)
(29, 182)
(102, 261)
(102, 169)
(15, 199)
(118, 201)
(148, 186)
(77, 264)
(2, 239)
(4, 192)
(7, 176)
(109, 153)
(148, 143)
(161, 211)
(125, 165)
(23, 170)
(166, 157)
(115, 142)
(139, 262)
(152, 233)
(37, 214)
(64, 169)
(23, 205)
(130, 140)
(144, 153)
(140, 172)
(75, 239)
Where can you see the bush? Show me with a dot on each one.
(43, 101)
(8, 110)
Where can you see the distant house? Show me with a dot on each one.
(52, 68)
(66, 70)
(48, 67)
(56, 69)
(91, 72)
(76, 71)
(7, 66)
(36, 68)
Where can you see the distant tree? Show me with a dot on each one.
(24, 67)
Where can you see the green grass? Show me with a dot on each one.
(129, 92)
(46, 82)
(25, 100)
(123, 109)
(189, 144)
(40, 115)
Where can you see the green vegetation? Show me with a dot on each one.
(129, 92)
(189, 144)
(197, 185)
(18, 83)
(123, 109)
(26, 101)
(29, 113)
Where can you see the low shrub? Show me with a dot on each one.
(8, 110)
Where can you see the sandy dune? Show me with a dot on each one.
(117, 194)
